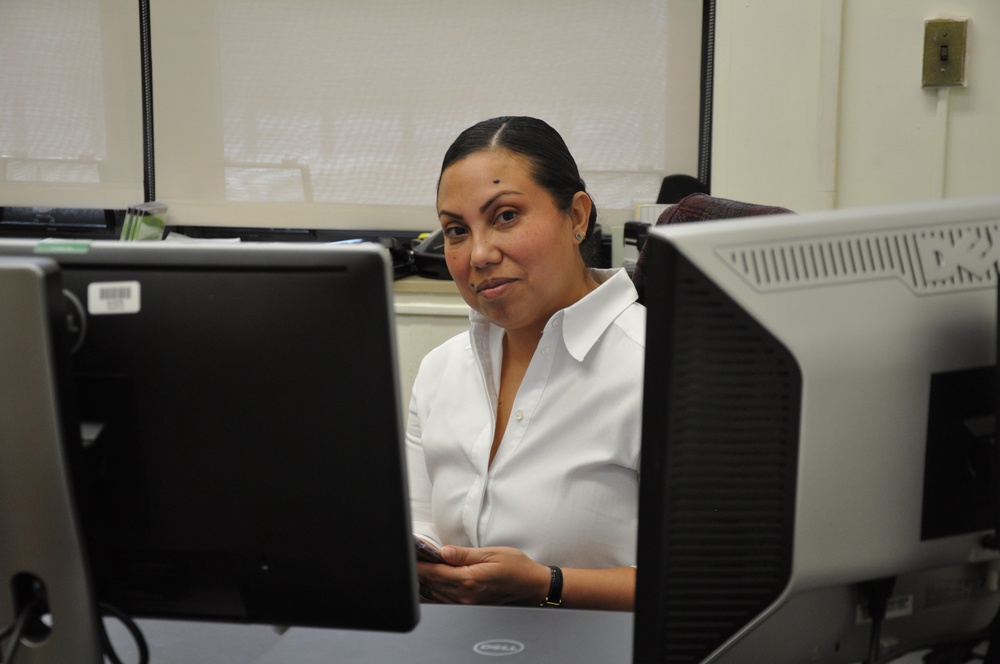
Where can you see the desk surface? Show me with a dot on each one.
(445, 635)
(459, 634)
(418, 284)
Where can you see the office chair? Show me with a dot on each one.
(699, 207)
(674, 188)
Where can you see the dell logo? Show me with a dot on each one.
(498, 647)
(944, 255)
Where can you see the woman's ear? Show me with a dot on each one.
(580, 212)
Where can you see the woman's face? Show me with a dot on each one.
(510, 250)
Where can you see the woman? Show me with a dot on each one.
(523, 435)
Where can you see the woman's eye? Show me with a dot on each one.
(454, 231)
(507, 216)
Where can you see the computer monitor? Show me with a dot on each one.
(44, 579)
(243, 455)
(819, 408)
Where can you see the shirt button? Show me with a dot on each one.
(545, 351)
(519, 415)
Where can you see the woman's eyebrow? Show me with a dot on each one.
(482, 208)
(485, 206)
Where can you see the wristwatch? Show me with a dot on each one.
(554, 598)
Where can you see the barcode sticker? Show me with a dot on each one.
(113, 297)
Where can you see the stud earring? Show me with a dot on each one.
(579, 236)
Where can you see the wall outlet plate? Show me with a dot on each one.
(944, 51)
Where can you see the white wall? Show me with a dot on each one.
(820, 104)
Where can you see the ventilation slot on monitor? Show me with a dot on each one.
(928, 260)
(821, 260)
(729, 462)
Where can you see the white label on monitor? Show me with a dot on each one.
(898, 606)
(113, 297)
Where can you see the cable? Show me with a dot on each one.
(33, 610)
(878, 593)
(941, 142)
(6, 630)
(17, 629)
(140, 640)
(707, 81)
(145, 53)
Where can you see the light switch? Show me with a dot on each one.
(944, 51)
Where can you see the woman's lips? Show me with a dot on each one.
(491, 288)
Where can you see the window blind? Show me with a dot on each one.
(333, 113)
(319, 113)
(70, 120)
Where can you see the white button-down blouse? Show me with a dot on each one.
(563, 487)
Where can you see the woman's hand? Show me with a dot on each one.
(504, 575)
(489, 575)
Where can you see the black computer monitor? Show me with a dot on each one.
(819, 408)
(243, 455)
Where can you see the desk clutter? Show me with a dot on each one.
(145, 221)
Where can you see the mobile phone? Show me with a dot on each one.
(427, 551)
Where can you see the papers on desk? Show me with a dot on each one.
(174, 236)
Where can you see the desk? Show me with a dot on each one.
(445, 635)
(178, 642)
(449, 634)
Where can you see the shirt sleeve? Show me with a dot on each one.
(418, 477)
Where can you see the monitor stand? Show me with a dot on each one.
(43, 572)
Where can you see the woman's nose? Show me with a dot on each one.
(485, 251)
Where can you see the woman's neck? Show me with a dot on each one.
(519, 345)
(522, 342)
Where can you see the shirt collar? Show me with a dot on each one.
(584, 322)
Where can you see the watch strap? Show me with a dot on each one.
(554, 597)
